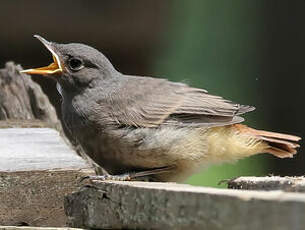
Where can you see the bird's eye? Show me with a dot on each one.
(75, 64)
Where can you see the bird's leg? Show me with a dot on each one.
(128, 176)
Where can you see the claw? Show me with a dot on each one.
(83, 178)
(127, 176)
(108, 177)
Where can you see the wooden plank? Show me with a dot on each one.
(142, 205)
(35, 149)
(37, 169)
(35, 228)
(288, 184)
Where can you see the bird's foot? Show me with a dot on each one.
(108, 177)
(127, 176)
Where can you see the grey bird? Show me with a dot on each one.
(142, 126)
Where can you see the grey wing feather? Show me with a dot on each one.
(152, 102)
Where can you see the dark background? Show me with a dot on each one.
(251, 52)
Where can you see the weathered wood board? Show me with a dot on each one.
(23, 99)
(142, 205)
(37, 169)
(288, 184)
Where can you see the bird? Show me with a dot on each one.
(144, 127)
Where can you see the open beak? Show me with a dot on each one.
(52, 69)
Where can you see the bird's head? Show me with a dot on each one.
(75, 65)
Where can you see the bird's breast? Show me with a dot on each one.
(73, 117)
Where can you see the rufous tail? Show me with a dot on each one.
(277, 144)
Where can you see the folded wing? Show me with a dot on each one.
(152, 102)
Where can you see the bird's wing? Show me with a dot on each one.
(150, 102)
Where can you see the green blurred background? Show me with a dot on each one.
(251, 52)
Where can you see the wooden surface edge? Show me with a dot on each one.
(148, 205)
(36, 198)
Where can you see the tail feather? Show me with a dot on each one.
(278, 144)
(275, 135)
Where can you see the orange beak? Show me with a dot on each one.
(52, 69)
